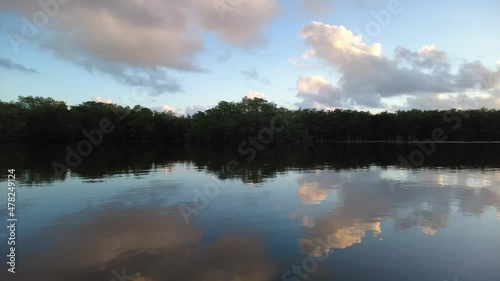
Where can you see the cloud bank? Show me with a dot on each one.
(128, 39)
(368, 76)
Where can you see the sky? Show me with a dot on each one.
(187, 55)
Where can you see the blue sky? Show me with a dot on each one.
(91, 50)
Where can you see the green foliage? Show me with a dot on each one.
(44, 119)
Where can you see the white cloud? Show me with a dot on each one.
(241, 24)
(368, 76)
(121, 37)
(428, 57)
(317, 92)
(168, 108)
(103, 100)
(311, 83)
(194, 109)
(476, 75)
(450, 101)
(336, 44)
(253, 95)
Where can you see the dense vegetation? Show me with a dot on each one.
(36, 119)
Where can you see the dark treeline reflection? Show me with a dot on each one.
(34, 162)
(37, 119)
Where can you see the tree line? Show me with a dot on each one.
(40, 119)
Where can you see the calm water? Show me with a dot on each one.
(331, 212)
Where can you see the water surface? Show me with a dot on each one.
(319, 212)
